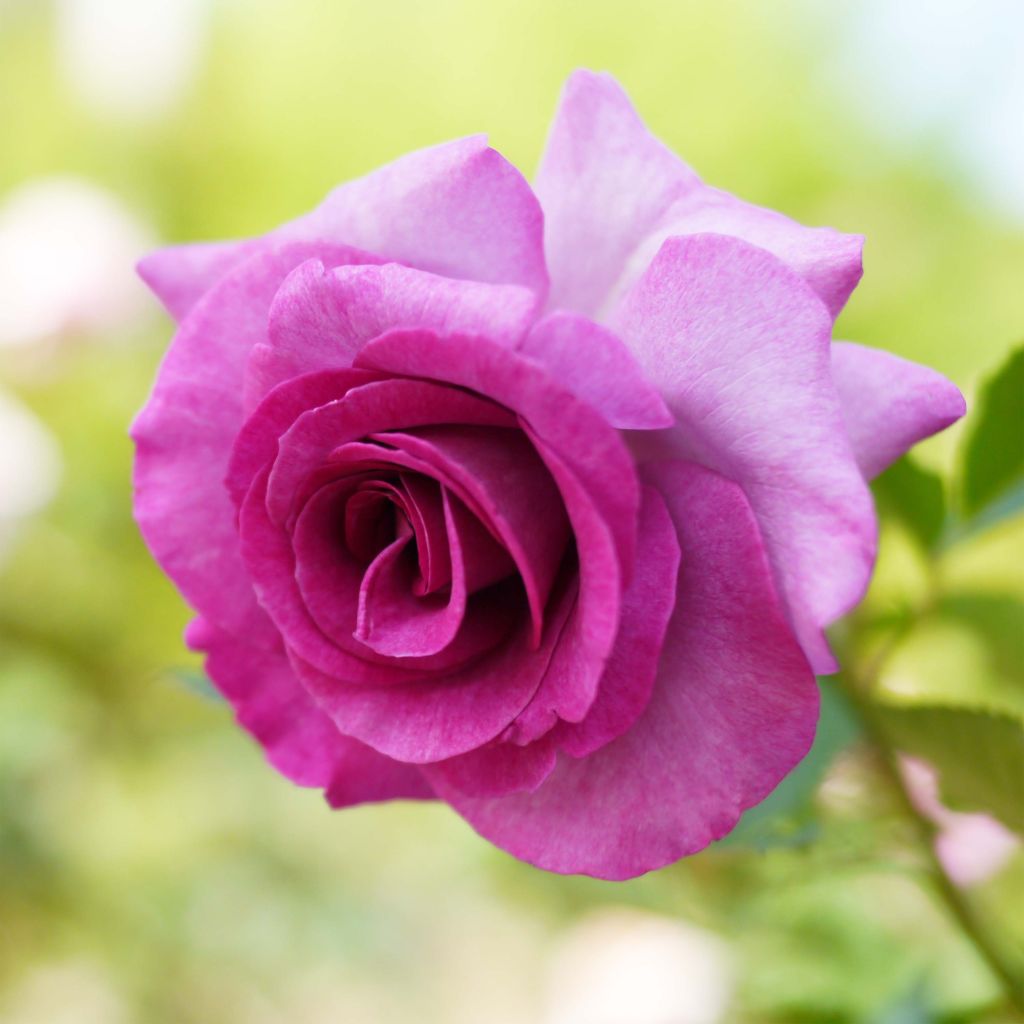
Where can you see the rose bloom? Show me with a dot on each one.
(535, 501)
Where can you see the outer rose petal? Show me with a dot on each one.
(889, 403)
(301, 742)
(741, 349)
(458, 209)
(733, 709)
(612, 193)
(180, 275)
(185, 433)
(321, 318)
(603, 183)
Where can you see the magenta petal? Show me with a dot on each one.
(384, 405)
(184, 437)
(581, 654)
(322, 317)
(497, 769)
(310, 586)
(301, 742)
(889, 404)
(647, 607)
(741, 349)
(255, 445)
(612, 193)
(593, 450)
(392, 618)
(500, 475)
(459, 209)
(733, 710)
(180, 275)
(433, 719)
(597, 366)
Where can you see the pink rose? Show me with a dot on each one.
(534, 501)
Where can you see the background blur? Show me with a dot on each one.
(152, 868)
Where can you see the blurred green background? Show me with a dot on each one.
(152, 868)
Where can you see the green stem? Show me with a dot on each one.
(957, 903)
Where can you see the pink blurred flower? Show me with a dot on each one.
(971, 847)
(66, 248)
(428, 460)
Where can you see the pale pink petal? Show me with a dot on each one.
(604, 183)
(596, 366)
(300, 741)
(889, 404)
(459, 209)
(322, 317)
(733, 710)
(828, 260)
(180, 275)
(612, 193)
(184, 437)
(741, 349)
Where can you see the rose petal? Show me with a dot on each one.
(394, 620)
(647, 607)
(828, 260)
(179, 275)
(612, 193)
(502, 478)
(741, 349)
(184, 438)
(384, 405)
(733, 710)
(309, 585)
(321, 317)
(889, 404)
(300, 741)
(578, 662)
(593, 449)
(256, 443)
(603, 183)
(458, 209)
(431, 720)
(597, 366)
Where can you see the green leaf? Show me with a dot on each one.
(978, 754)
(197, 681)
(779, 820)
(915, 497)
(992, 457)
